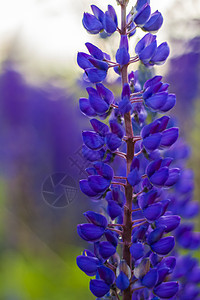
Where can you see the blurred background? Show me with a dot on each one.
(40, 135)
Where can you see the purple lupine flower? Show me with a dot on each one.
(149, 53)
(100, 21)
(141, 207)
(154, 22)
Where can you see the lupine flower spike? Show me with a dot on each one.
(134, 239)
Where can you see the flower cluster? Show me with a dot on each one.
(132, 239)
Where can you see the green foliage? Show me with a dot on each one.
(25, 277)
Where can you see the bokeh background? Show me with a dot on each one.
(40, 135)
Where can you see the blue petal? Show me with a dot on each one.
(160, 177)
(156, 234)
(162, 273)
(99, 64)
(154, 23)
(146, 47)
(164, 245)
(165, 204)
(92, 140)
(163, 121)
(152, 142)
(169, 137)
(150, 279)
(166, 162)
(94, 51)
(153, 212)
(116, 195)
(141, 3)
(85, 188)
(114, 209)
(161, 54)
(91, 23)
(147, 198)
(157, 100)
(98, 183)
(113, 141)
(122, 281)
(169, 262)
(153, 89)
(146, 54)
(174, 175)
(111, 237)
(125, 105)
(87, 264)
(116, 128)
(152, 81)
(166, 289)
(169, 104)
(90, 232)
(153, 166)
(106, 249)
(137, 250)
(164, 87)
(96, 219)
(86, 108)
(109, 23)
(98, 104)
(134, 177)
(106, 274)
(143, 15)
(135, 164)
(104, 170)
(83, 60)
(92, 155)
(99, 14)
(170, 221)
(145, 131)
(126, 92)
(105, 93)
(91, 170)
(112, 14)
(99, 288)
(99, 127)
(142, 43)
(122, 56)
(140, 233)
(95, 75)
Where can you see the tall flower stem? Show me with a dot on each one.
(127, 228)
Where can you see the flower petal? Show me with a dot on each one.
(164, 245)
(92, 140)
(137, 250)
(154, 23)
(98, 183)
(170, 221)
(150, 279)
(99, 288)
(122, 281)
(87, 264)
(106, 249)
(91, 23)
(96, 219)
(90, 232)
(166, 289)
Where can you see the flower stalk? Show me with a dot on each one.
(138, 214)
